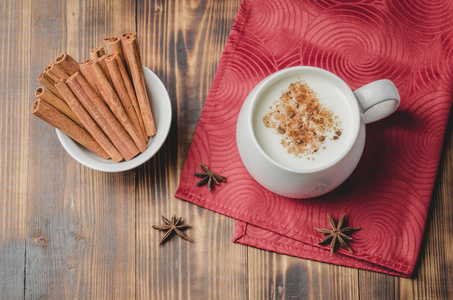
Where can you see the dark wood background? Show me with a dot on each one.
(70, 232)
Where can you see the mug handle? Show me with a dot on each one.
(377, 100)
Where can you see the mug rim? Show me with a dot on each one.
(355, 124)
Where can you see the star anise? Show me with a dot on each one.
(208, 177)
(337, 234)
(175, 225)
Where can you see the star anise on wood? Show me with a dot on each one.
(208, 177)
(175, 225)
(337, 234)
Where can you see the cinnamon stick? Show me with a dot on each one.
(129, 34)
(110, 97)
(131, 53)
(133, 36)
(44, 79)
(102, 115)
(101, 62)
(57, 103)
(131, 93)
(97, 52)
(88, 76)
(55, 72)
(121, 91)
(68, 64)
(87, 121)
(49, 114)
(112, 45)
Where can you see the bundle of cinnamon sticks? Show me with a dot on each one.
(100, 103)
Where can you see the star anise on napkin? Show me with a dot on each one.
(175, 225)
(208, 177)
(337, 234)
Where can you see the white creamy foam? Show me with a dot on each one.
(330, 96)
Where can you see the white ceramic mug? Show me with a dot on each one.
(369, 103)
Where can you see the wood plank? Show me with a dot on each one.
(14, 106)
(377, 286)
(80, 234)
(276, 276)
(181, 41)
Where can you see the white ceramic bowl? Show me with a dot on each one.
(162, 113)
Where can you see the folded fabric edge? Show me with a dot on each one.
(400, 269)
(306, 251)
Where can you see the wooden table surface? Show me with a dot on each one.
(67, 231)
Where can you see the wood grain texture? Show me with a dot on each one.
(70, 232)
(15, 28)
(377, 286)
(181, 41)
(275, 276)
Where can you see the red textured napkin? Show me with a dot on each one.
(389, 193)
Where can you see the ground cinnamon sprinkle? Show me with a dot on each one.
(302, 120)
